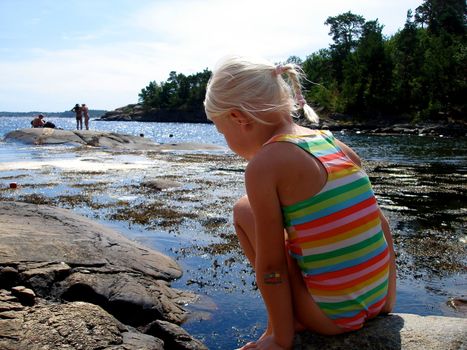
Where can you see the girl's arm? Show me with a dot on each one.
(391, 298)
(271, 260)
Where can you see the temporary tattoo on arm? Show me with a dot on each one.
(273, 278)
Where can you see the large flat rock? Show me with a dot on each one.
(63, 258)
(111, 140)
(47, 235)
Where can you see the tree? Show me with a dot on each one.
(294, 59)
(444, 58)
(150, 95)
(376, 69)
(345, 30)
(177, 92)
(320, 80)
(406, 49)
(442, 15)
(420, 71)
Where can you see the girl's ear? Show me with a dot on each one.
(239, 117)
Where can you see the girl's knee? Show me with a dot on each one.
(243, 218)
(241, 209)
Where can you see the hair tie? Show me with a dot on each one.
(299, 97)
(280, 69)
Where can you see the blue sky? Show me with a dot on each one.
(55, 53)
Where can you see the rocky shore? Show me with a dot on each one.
(67, 282)
(336, 122)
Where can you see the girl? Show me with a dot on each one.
(333, 266)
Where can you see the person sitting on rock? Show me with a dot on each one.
(38, 122)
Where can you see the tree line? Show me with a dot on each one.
(418, 72)
(178, 92)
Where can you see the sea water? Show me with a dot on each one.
(403, 149)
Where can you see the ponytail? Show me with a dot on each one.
(294, 74)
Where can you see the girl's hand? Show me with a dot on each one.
(264, 343)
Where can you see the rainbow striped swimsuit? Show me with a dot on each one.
(336, 237)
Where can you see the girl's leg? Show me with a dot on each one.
(244, 223)
(307, 313)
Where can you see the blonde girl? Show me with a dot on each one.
(310, 224)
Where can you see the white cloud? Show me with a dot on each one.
(181, 35)
(56, 80)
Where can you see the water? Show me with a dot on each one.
(401, 149)
(239, 313)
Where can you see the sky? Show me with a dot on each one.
(56, 53)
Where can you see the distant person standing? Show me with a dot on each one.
(85, 110)
(79, 116)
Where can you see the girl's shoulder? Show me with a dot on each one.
(307, 134)
(279, 156)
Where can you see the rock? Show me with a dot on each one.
(40, 136)
(160, 184)
(53, 255)
(110, 140)
(136, 340)
(8, 276)
(174, 337)
(41, 277)
(134, 300)
(25, 295)
(34, 237)
(395, 331)
(75, 325)
(458, 304)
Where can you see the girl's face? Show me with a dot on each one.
(233, 134)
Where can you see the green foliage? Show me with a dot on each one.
(178, 92)
(442, 15)
(420, 71)
(345, 30)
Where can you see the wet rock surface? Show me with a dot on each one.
(51, 260)
(45, 136)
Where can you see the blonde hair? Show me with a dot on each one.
(255, 87)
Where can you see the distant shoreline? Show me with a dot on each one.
(378, 125)
(93, 113)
